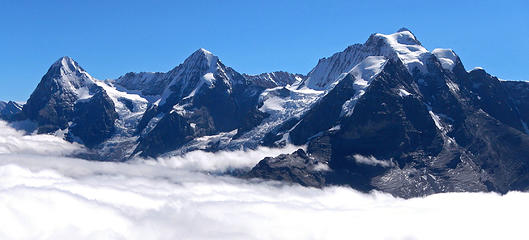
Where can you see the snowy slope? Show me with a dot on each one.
(363, 73)
(406, 47)
(447, 57)
(402, 46)
(281, 103)
(72, 78)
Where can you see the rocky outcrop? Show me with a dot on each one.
(297, 167)
(275, 79)
(10, 110)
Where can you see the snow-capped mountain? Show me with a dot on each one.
(203, 98)
(51, 105)
(387, 114)
(398, 118)
(70, 102)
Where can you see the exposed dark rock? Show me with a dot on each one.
(171, 132)
(325, 113)
(297, 167)
(94, 119)
(9, 110)
(274, 79)
(518, 92)
(146, 82)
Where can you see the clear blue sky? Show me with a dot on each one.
(110, 38)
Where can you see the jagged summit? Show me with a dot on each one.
(68, 73)
(204, 51)
(66, 65)
(275, 79)
(65, 61)
(201, 58)
(52, 102)
(400, 46)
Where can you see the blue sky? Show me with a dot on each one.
(110, 38)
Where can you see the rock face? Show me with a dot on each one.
(94, 119)
(275, 79)
(384, 115)
(146, 82)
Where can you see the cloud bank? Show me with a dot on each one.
(14, 141)
(219, 161)
(54, 197)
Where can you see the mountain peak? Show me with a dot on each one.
(66, 63)
(401, 37)
(204, 51)
(402, 45)
(202, 57)
(201, 52)
(67, 73)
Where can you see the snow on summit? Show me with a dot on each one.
(406, 47)
(197, 70)
(71, 77)
(402, 45)
(447, 57)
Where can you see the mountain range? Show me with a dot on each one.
(384, 115)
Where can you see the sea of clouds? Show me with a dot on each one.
(45, 195)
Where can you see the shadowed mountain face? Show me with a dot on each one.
(386, 115)
(52, 103)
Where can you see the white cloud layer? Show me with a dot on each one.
(370, 160)
(53, 197)
(219, 161)
(13, 141)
